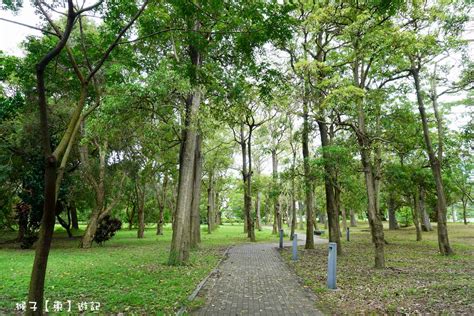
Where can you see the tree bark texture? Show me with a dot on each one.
(435, 164)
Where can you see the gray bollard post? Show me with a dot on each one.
(295, 247)
(347, 233)
(332, 262)
(281, 238)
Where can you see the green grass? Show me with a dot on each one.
(417, 279)
(126, 274)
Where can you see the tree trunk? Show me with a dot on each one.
(99, 186)
(275, 225)
(43, 244)
(323, 220)
(353, 218)
(210, 204)
(161, 198)
(91, 228)
(435, 164)
(287, 214)
(217, 210)
(248, 192)
(301, 212)
(308, 181)
(140, 210)
(331, 205)
(179, 252)
(425, 219)
(195, 227)
(131, 216)
(293, 209)
(64, 224)
(416, 216)
(276, 192)
(370, 174)
(258, 224)
(374, 216)
(74, 221)
(392, 218)
(344, 219)
(246, 227)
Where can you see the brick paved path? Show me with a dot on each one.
(254, 280)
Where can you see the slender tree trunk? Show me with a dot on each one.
(353, 218)
(370, 175)
(276, 192)
(43, 245)
(161, 198)
(64, 224)
(45, 235)
(323, 220)
(293, 209)
(425, 219)
(331, 205)
(210, 204)
(287, 214)
(91, 228)
(195, 226)
(301, 212)
(374, 216)
(141, 210)
(161, 219)
(435, 164)
(258, 224)
(416, 217)
(392, 218)
(344, 219)
(248, 193)
(131, 216)
(217, 210)
(378, 165)
(74, 221)
(246, 227)
(275, 225)
(293, 183)
(308, 181)
(99, 186)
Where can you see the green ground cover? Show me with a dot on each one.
(416, 280)
(125, 274)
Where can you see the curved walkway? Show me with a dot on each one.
(254, 280)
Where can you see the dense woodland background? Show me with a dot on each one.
(297, 115)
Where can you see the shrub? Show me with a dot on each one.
(106, 229)
(28, 240)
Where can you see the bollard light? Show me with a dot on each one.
(332, 261)
(295, 247)
(281, 238)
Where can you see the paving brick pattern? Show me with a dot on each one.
(254, 280)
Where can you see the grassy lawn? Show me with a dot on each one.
(417, 279)
(126, 274)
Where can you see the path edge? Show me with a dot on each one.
(203, 282)
(306, 290)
